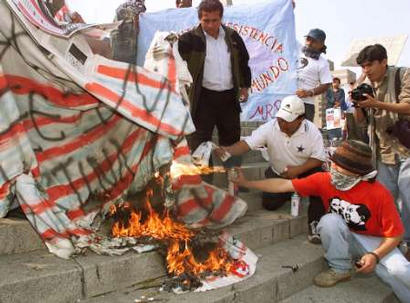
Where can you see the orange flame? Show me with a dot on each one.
(165, 228)
(181, 262)
(154, 226)
(180, 169)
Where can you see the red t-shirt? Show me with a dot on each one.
(367, 208)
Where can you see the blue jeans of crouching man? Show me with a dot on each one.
(342, 246)
(397, 180)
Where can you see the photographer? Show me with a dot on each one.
(386, 114)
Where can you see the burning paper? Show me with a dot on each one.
(226, 261)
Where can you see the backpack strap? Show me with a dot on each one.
(397, 83)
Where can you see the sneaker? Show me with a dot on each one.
(404, 247)
(313, 235)
(330, 278)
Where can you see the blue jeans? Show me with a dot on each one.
(397, 179)
(342, 246)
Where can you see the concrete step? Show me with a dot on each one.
(253, 198)
(361, 289)
(271, 282)
(17, 235)
(44, 278)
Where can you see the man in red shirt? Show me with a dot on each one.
(362, 220)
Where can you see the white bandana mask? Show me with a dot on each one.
(345, 182)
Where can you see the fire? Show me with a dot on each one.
(154, 226)
(184, 262)
(180, 169)
(164, 228)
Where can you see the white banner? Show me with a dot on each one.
(268, 30)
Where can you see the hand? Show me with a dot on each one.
(243, 94)
(290, 172)
(368, 263)
(220, 151)
(301, 93)
(76, 18)
(370, 102)
(239, 178)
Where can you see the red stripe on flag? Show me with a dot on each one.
(219, 213)
(59, 191)
(3, 82)
(80, 141)
(191, 205)
(140, 78)
(127, 105)
(52, 234)
(172, 73)
(13, 133)
(125, 182)
(186, 180)
(181, 151)
(25, 86)
(74, 214)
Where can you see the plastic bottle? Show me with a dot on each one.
(295, 205)
(232, 187)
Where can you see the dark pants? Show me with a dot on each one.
(218, 109)
(310, 112)
(273, 201)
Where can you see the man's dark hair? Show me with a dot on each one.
(336, 79)
(177, 2)
(210, 6)
(372, 53)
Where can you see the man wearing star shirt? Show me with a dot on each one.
(362, 222)
(295, 149)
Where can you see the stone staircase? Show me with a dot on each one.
(29, 274)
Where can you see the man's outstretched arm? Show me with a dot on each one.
(275, 185)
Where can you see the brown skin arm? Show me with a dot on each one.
(301, 93)
(400, 108)
(369, 261)
(275, 185)
(235, 149)
(292, 172)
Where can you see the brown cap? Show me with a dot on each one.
(354, 156)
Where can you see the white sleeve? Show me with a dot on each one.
(324, 72)
(318, 151)
(258, 137)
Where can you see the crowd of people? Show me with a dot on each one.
(359, 209)
(352, 210)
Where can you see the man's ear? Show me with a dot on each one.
(384, 61)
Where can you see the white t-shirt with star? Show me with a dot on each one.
(305, 143)
(311, 73)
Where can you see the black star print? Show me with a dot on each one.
(300, 149)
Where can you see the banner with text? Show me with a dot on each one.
(268, 30)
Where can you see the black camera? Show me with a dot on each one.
(358, 93)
